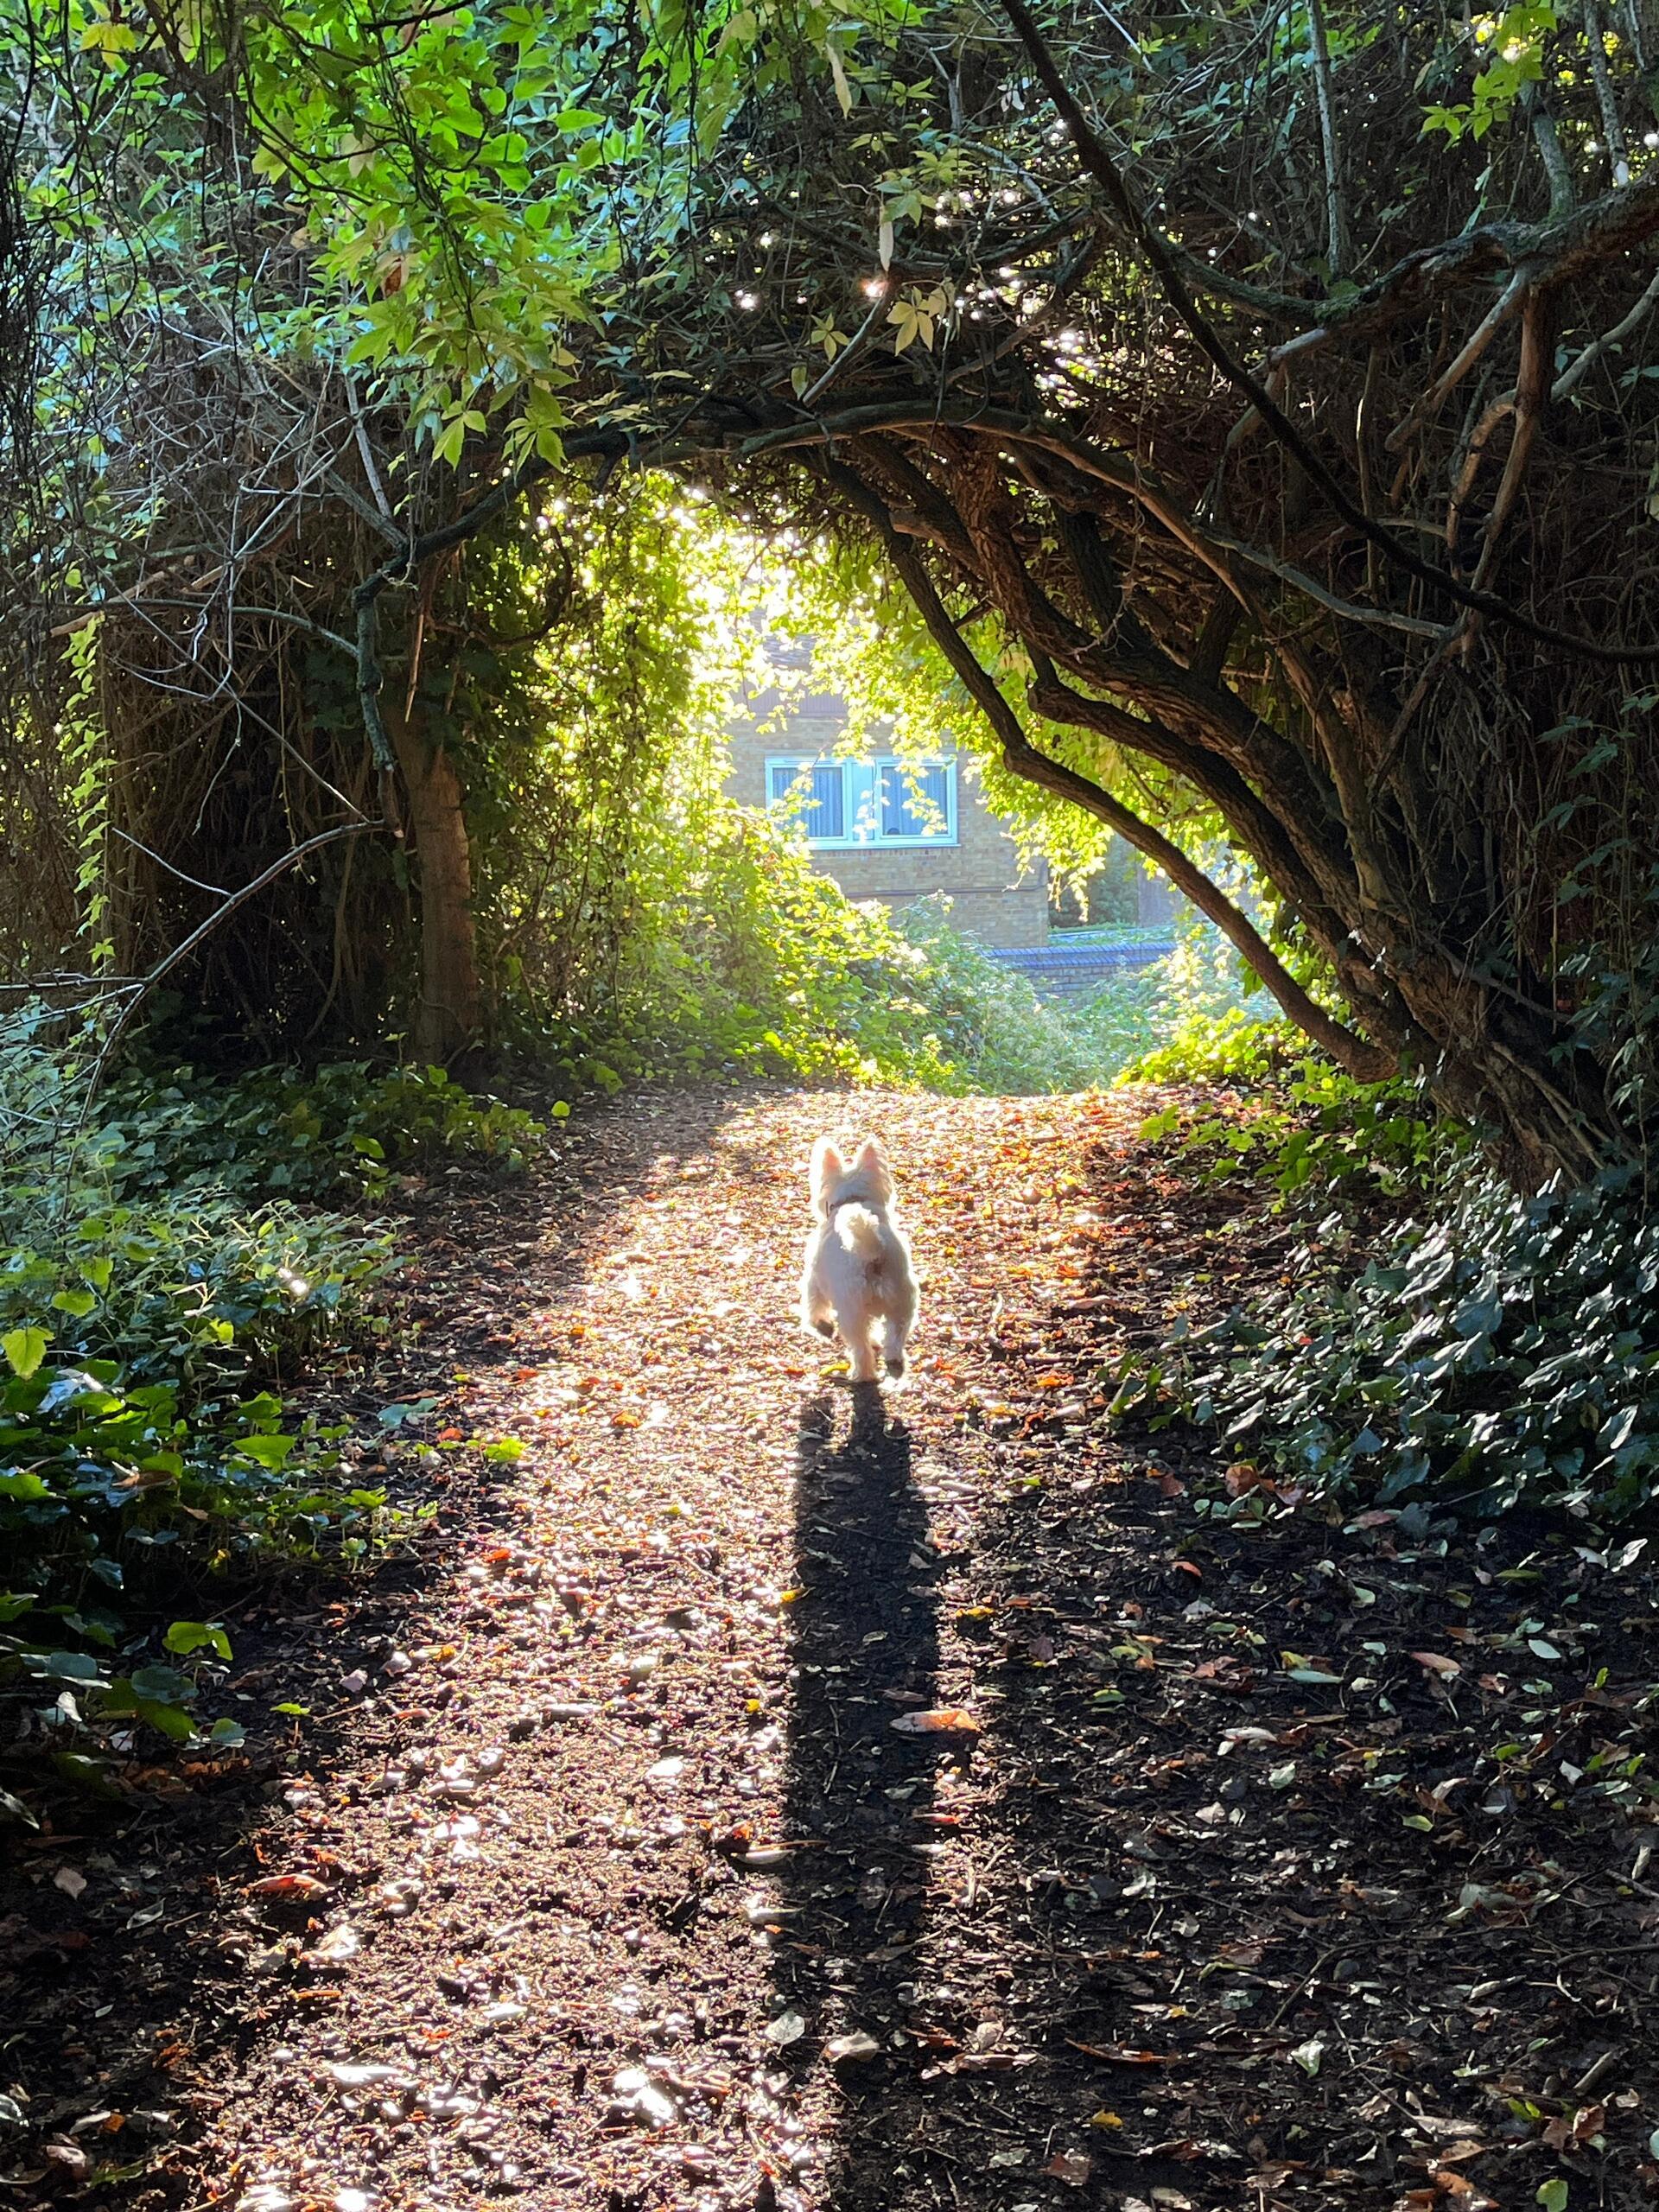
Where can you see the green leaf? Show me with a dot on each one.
(85, 1772)
(163, 1684)
(271, 1452)
(1553, 2195)
(186, 1637)
(77, 1303)
(24, 1350)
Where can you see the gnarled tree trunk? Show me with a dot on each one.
(449, 1017)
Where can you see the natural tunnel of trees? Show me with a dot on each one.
(1251, 416)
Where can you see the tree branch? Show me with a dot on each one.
(1367, 1063)
(1100, 165)
(1335, 245)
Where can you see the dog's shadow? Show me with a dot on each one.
(865, 1654)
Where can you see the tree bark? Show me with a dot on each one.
(448, 1018)
(1367, 1063)
(1334, 801)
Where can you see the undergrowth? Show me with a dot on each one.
(1280, 1114)
(757, 964)
(1507, 1354)
(1497, 1350)
(166, 1263)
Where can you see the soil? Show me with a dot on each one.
(738, 1790)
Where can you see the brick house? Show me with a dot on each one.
(897, 831)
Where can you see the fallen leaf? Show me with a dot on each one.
(844, 2050)
(1071, 2166)
(941, 1720)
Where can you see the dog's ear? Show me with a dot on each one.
(828, 1168)
(872, 1164)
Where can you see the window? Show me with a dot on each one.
(852, 803)
(916, 801)
(815, 789)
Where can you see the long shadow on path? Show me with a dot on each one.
(860, 1794)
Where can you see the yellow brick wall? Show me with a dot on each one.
(980, 874)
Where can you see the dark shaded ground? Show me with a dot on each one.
(1269, 1863)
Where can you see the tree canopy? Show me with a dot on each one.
(1254, 406)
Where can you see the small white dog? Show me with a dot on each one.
(858, 1274)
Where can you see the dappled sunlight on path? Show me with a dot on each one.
(770, 1797)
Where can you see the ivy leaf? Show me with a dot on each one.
(186, 1637)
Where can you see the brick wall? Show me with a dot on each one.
(980, 874)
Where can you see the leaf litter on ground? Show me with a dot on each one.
(823, 1806)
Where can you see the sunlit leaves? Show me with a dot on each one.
(1512, 47)
(24, 1350)
(915, 315)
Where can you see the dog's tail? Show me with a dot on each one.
(860, 1232)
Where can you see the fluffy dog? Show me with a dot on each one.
(858, 1281)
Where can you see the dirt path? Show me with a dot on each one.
(601, 1871)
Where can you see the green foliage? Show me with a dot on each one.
(338, 1130)
(1002, 1036)
(750, 962)
(1507, 1355)
(746, 960)
(1512, 46)
(1234, 1047)
(1284, 1115)
(115, 1495)
(153, 1290)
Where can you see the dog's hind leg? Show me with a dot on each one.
(860, 1356)
(893, 1333)
(816, 1313)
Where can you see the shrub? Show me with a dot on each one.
(159, 1278)
(998, 1032)
(1284, 1115)
(1506, 1354)
(334, 1131)
(757, 964)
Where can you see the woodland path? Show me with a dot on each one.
(598, 1834)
